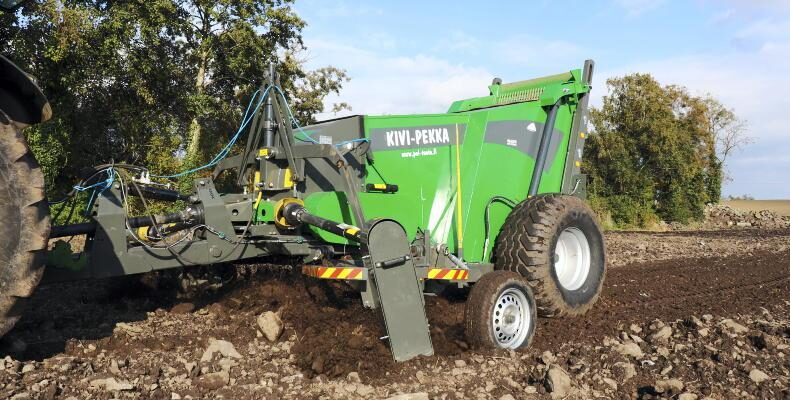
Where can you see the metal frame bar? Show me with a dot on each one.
(572, 173)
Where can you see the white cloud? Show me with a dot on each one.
(534, 51)
(459, 41)
(636, 8)
(382, 84)
(722, 16)
(759, 5)
(764, 31)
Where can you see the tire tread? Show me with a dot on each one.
(23, 275)
(523, 246)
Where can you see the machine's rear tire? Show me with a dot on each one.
(500, 312)
(24, 224)
(556, 243)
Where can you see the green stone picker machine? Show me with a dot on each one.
(487, 196)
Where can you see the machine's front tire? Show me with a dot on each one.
(24, 223)
(500, 312)
(555, 242)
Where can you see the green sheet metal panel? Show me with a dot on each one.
(498, 147)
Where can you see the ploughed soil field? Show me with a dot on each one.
(683, 315)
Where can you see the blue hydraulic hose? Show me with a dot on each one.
(248, 116)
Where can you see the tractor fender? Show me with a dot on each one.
(20, 98)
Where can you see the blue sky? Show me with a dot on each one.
(418, 56)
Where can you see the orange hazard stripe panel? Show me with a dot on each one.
(450, 274)
(333, 272)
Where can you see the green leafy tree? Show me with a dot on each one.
(161, 83)
(654, 153)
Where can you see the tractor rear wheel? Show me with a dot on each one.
(555, 242)
(24, 223)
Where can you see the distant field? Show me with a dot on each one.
(781, 207)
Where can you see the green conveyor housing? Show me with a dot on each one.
(499, 137)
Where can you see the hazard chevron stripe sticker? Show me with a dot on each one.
(448, 274)
(333, 272)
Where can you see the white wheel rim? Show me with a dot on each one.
(511, 319)
(572, 258)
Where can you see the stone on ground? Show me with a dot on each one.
(270, 325)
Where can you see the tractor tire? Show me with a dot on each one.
(500, 312)
(555, 242)
(24, 223)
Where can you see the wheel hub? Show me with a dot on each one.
(511, 319)
(572, 258)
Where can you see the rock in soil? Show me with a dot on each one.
(758, 376)
(669, 386)
(111, 384)
(214, 380)
(662, 335)
(410, 396)
(624, 371)
(270, 325)
(630, 349)
(734, 327)
(223, 347)
(558, 383)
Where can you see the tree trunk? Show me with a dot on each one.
(195, 129)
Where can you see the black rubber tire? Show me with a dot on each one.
(480, 307)
(526, 245)
(24, 224)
